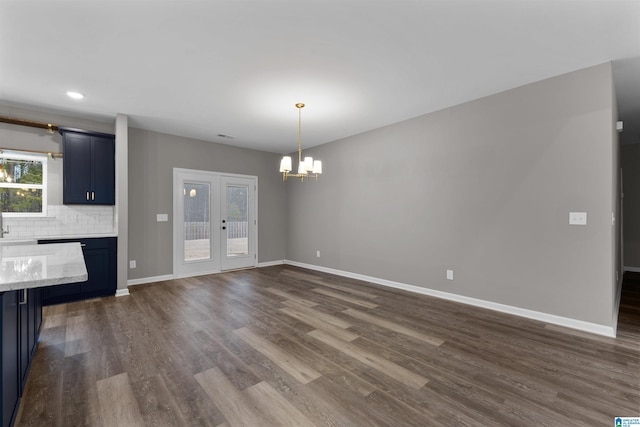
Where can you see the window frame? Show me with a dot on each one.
(20, 155)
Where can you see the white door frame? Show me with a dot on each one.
(215, 265)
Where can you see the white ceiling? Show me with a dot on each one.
(235, 67)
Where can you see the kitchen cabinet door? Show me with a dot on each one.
(30, 303)
(88, 167)
(97, 262)
(9, 365)
(100, 259)
(20, 321)
(76, 175)
(103, 170)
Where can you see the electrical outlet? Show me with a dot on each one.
(317, 254)
(132, 263)
(449, 274)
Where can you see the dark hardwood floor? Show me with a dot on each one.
(287, 346)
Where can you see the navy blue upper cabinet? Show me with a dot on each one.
(88, 167)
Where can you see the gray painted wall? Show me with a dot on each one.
(485, 189)
(152, 157)
(631, 181)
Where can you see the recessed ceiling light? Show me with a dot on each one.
(75, 95)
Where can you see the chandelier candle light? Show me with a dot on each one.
(306, 168)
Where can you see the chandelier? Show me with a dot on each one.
(307, 167)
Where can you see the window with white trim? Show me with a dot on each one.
(23, 184)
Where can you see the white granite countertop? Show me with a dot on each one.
(34, 266)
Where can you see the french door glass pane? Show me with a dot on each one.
(197, 221)
(237, 220)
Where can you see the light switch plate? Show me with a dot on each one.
(577, 218)
(449, 274)
(162, 217)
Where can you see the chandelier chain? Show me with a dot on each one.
(300, 107)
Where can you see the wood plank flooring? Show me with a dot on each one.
(284, 346)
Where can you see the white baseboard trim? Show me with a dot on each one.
(270, 263)
(517, 311)
(122, 292)
(632, 269)
(143, 280)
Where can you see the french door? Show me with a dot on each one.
(214, 222)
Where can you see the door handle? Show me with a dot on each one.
(224, 228)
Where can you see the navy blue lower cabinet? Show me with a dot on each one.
(21, 319)
(10, 357)
(100, 258)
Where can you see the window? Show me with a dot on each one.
(23, 184)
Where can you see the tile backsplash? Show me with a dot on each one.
(63, 220)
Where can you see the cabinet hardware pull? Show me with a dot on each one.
(93, 195)
(87, 195)
(82, 245)
(24, 297)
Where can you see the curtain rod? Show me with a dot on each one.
(30, 123)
